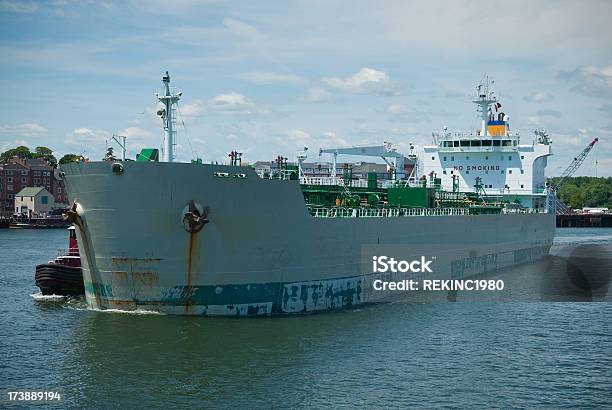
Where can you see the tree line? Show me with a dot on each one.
(580, 192)
(45, 153)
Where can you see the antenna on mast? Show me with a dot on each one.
(484, 100)
(169, 100)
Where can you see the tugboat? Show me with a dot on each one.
(62, 275)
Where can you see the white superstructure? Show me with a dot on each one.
(492, 157)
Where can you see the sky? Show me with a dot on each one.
(269, 78)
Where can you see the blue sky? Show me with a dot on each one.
(269, 78)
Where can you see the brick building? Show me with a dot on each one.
(22, 173)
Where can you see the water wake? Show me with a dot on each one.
(130, 312)
(40, 296)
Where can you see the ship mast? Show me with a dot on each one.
(484, 100)
(169, 100)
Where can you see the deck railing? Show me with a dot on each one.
(340, 212)
(340, 181)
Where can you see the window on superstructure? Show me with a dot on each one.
(509, 158)
(496, 143)
(464, 143)
(522, 157)
(509, 171)
(522, 171)
(506, 143)
(502, 171)
(444, 172)
(475, 143)
(452, 158)
(433, 158)
(522, 186)
(486, 157)
(444, 158)
(467, 157)
(455, 143)
(486, 143)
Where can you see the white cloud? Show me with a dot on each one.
(11, 6)
(231, 101)
(138, 138)
(91, 142)
(24, 130)
(195, 108)
(261, 77)
(365, 81)
(318, 94)
(235, 103)
(242, 29)
(403, 113)
(332, 139)
(297, 135)
(534, 120)
(397, 109)
(137, 134)
(591, 80)
(537, 97)
(88, 140)
(549, 113)
(607, 108)
(297, 139)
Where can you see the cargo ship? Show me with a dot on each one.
(209, 239)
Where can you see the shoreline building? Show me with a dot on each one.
(19, 173)
(34, 202)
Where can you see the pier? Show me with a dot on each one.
(584, 221)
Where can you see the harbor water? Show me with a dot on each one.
(524, 353)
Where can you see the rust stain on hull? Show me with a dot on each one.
(190, 263)
(80, 223)
(145, 278)
(126, 259)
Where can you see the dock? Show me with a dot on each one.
(585, 221)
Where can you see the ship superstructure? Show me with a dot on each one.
(206, 239)
(492, 157)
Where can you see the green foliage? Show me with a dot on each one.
(21, 152)
(46, 154)
(110, 156)
(25, 153)
(579, 192)
(69, 158)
